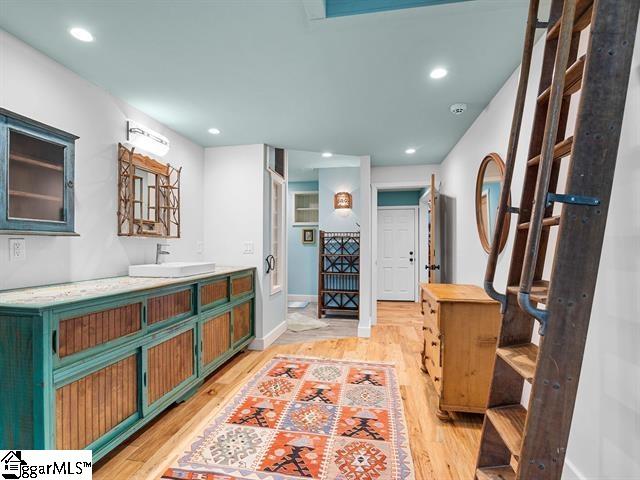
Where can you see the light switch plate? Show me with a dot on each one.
(248, 248)
(17, 250)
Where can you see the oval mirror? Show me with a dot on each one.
(488, 186)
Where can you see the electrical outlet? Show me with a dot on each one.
(17, 250)
(199, 248)
(248, 248)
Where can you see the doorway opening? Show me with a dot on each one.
(313, 181)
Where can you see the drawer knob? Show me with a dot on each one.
(432, 311)
(434, 344)
(436, 379)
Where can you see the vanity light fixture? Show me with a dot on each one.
(438, 73)
(81, 34)
(342, 200)
(146, 139)
(327, 155)
(410, 151)
(214, 131)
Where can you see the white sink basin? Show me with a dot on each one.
(171, 269)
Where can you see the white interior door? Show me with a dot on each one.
(396, 254)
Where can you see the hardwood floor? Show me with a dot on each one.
(441, 451)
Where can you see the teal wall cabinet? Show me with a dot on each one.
(89, 372)
(36, 177)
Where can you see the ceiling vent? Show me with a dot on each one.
(458, 108)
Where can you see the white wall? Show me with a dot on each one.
(35, 86)
(330, 182)
(236, 198)
(605, 436)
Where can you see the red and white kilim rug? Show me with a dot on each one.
(304, 418)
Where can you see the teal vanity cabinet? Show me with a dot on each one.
(36, 177)
(87, 364)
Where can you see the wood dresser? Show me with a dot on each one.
(86, 364)
(461, 326)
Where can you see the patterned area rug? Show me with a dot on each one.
(304, 418)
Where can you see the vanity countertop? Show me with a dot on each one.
(52, 295)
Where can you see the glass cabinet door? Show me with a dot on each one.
(36, 178)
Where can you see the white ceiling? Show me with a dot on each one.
(261, 71)
(303, 166)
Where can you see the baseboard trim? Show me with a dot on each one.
(364, 331)
(574, 470)
(265, 342)
(302, 298)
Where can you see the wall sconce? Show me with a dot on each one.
(342, 200)
(146, 139)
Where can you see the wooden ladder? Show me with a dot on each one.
(530, 443)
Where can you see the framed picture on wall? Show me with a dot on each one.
(308, 235)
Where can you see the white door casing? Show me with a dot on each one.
(397, 253)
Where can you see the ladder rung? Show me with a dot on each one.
(509, 423)
(547, 222)
(584, 9)
(561, 150)
(522, 358)
(504, 472)
(572, 82)
(539, 291)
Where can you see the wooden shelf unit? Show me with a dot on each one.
(339, 273)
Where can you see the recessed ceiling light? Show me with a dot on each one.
(327, 154)
(81, 34)
(410, 151)
(214, 131)
(439, 73)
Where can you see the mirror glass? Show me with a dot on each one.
(488, 188)
(146, 200)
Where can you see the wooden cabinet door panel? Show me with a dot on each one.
(169, 364)
(241, 285)
(89, 330)
(241, 321)
(91, 406)
(216, 333)
(214, 293)
(165, 307)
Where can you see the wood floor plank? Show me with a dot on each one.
(441, 451)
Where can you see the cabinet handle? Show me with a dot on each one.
(434, 344)
(70, 184)
(54, 341)
(436, 379)
(144, 379)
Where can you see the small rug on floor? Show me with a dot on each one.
(297, 304)
(301, 418)
(299, 322)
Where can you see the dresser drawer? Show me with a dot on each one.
(430, 310)
(433, 358)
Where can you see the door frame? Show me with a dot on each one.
(375, 186)
(416, 247)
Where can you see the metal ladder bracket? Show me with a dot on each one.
(497, 296)
(514, 210)
(542, 24)
(572, 199)
(524, 300)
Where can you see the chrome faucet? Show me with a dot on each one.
(160, 251)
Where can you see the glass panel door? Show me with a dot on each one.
(36, 178)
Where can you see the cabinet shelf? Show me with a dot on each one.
(35, 162)
(35, 196)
